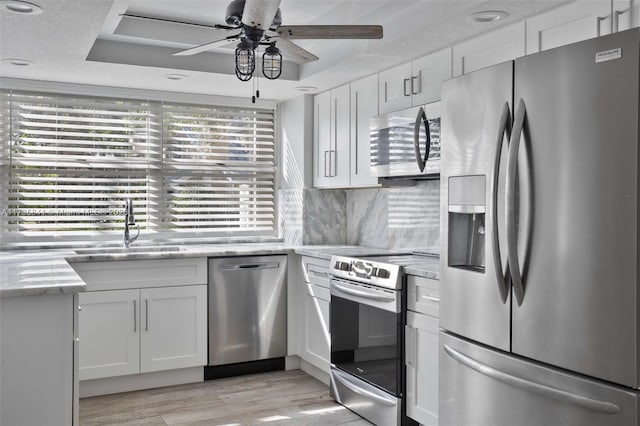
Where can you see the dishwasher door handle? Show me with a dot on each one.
(250, 266)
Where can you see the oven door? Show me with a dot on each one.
(407, 142)
(366, 333)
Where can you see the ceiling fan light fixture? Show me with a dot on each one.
(20, 7)
(245, 61)
(272, 62)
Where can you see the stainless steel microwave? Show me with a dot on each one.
(406, 142)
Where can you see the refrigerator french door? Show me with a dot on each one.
(540, 231)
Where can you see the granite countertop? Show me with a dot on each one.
(423, 266)
(32, 272)
(176, 251)
(26, 273)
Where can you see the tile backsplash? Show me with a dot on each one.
(403, 218)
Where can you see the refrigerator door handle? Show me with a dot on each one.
(510, 202)
(421, 120)
(586, 402)
(501, 276)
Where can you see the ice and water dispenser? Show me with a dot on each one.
(467, 212)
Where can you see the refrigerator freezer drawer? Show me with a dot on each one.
(480, 386)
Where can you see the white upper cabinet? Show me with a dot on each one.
(364, 105)
(489, 49)
(395, 88)
(414, 83)
(340, 136)
(428, 74)
(321, 139)
(331, 138)
(572, 23)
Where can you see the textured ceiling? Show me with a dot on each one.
(75, 41)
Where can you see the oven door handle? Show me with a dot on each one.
(344, 379)
(364, 294)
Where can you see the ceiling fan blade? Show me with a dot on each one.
(207, 46)
(173, 21)
(294, 52)
(330, 31)
(260, 13)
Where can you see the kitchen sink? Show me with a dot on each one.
(125, 250)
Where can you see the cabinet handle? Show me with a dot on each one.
(333, 162)
(616, 19)
(325, 163)
(146, 314)
(385, 93)
(405, 82)
(356, 135)
(417, 78)
(332, 170)
(135, 317)
(599, 21)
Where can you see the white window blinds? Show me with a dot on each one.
(68, 163)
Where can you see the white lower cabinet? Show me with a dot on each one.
(421, 337)
(317, 341)
(314, 341)
(109, 328)
(38, 369)
(126, 332)
(173, 328)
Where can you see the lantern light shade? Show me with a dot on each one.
(245, 61)
(272, 62)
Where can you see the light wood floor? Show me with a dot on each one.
(278, 398)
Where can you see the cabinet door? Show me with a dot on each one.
(340, 136)
(394, 89)
(568, 24)
(422, 349)
(428, 74)
(109, 324)
(173, 328)
(489, 49)
(321, 139)
(316, 339)
(364, 105)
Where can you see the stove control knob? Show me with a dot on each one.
(382, 273)
(342, 266)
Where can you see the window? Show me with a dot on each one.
(68, 163)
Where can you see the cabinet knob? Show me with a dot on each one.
(79, 308)
(76, 339)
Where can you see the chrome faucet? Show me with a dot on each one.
(129, 220)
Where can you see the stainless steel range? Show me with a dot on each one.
(367, 339)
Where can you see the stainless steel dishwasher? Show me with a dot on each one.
(247, 309)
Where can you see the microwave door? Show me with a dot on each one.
(392, 144)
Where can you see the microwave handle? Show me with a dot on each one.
(421, 120)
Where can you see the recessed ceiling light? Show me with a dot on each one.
(18, 62)
(21, 7)
(485, 16)
(306, 88)
(176, 76)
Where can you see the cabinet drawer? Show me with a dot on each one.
(316, 271)
(122, 274)
(423, 295)
(318, 292)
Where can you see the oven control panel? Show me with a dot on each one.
(366, 271)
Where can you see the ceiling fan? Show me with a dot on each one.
(259, 23)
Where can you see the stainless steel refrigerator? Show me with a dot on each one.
(540, 230)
